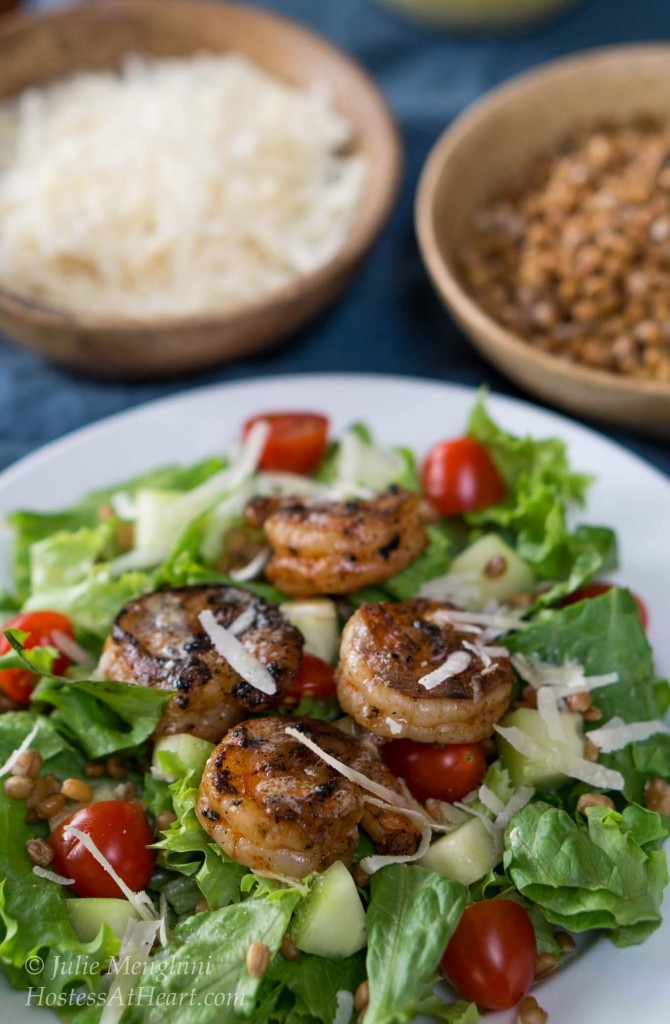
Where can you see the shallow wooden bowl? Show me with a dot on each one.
(36, 49)
(484, 148)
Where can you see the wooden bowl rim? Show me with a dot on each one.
(355, 245)
(439, 268)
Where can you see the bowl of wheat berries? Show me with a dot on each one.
(543, 216)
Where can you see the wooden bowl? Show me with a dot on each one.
(486, 147)
(34, 50)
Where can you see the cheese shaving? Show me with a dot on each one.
(521, 741)
(21, 749)
(487, 620)
(564, 679)
(243, 621)
(345, 1006)
(549, 711)
(51, 876)
(252, 569)
(383, 792)
(238, 657)
(456, 663)
(71, 649)
(491, 802)
(576, 767)
(375, 862)
(140, 901)
(617, 734)
(136, 945)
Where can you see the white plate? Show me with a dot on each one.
(605, 984)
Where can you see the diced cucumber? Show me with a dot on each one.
(317, 621)
(177, 756)
(89, 915)
(489, 570)
(465, 855)
(330, 921)
(547, 771)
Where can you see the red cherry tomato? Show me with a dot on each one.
(121, 832)
(491, 956)
(438, 772)
(296, 443)
(460, 476)
(19, 683)
(596, 589)
(315, 679)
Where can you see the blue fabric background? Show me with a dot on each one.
(389, 320)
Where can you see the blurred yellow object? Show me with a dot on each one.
(481, 14)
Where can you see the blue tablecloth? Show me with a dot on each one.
(389, 320)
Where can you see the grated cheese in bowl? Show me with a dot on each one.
(176, 187)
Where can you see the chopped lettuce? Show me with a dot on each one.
(34, 922)
(541, 488)
(604, 874)
(102, 716)
(187, 849)
(604, 634)
(412, 915)
(218, 941)
(67, 573)
(356, 460)
(305, 990)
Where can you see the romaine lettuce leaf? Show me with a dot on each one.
(541, 489)
(604, 634)
(66, 575)
(604, 874)
(187, 849)
(218, 941)
(412, 915)
(305, 990)
(34, 922)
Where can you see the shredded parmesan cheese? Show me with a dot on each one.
(564, 679)
(253, 568)
(456, 663)
(71, 649)
(126, 968)
(235, 653)
(617, 734)
(51, 876)
(375, 862)
(23, 746)
(345, 1007)
(177, 187)
(139, 900)
(383, 792)
(243, 621)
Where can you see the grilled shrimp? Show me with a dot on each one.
(322, 547)
(274, 805)
(388, 648)
(158, 641)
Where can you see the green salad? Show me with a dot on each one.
(320, 730)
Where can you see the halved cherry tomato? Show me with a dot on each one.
(315, 679)
(460, 476)
(121, 833)
(439, 772)
(491, 956)
(596, 589)
(19, 683)
(296, 443)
